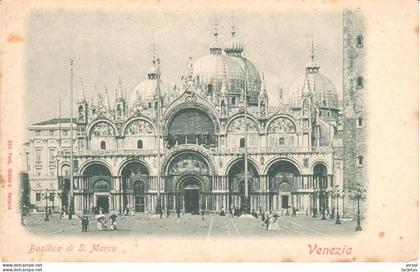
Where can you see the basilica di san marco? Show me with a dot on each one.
(203, 141)
(209, 146)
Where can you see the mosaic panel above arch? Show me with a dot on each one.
(188, 162)
(138, 127)
(102, 129)
(238, 126)
(282, 124)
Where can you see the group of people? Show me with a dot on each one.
(102, 222)
(329, 213)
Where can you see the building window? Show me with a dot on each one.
(359, 41)
(360, 160)
(210, 89)
(281, 141)
(242, 143)
(38, 172)
(37, 133)
(233, 100)
(52, 172)
(360, 82)
(52, 155)
(320, 113)
(66, 132)
(360, 122)
(328, 114)
(103, 145)
(150, 105)
(38, 156)
(52, 196)
(139, 144)
(38, 196)
(51, 132)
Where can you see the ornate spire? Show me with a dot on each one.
(306, 90)
(312, 66)
(190, 69)
(119, 94)
(153, 72)
(281, 95)
(263, 89)
(82, 97)
(106, 102)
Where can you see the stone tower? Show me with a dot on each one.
(354, 108)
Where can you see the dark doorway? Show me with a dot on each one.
(138, 190)
(284, 202)
(139, 204)
(191, 200)
(102, 202)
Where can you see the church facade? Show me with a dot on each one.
(187, 145)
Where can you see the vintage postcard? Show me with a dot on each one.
(212, 131)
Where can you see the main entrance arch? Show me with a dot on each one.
(190, 188)
(188, 177)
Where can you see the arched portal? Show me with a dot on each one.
(281, 177)
(321, 183)
(96, 169)
(188, 176)
(236, 180)
(191, 126)
(97, 185)
(134, 183)
(320, 175)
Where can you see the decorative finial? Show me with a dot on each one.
(312, 66)
(155, 51)
(312, 51)
(215, 33)
(233, 32)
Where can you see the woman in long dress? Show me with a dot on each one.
(100, 224)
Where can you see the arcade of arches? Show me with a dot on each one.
(190, 185)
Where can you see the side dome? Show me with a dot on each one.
(147, 90)
(321, 87)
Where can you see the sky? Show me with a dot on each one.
(106, 46)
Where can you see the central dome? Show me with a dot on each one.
(231, 68)
(213, 69)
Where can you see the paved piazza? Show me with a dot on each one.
(211, 226)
